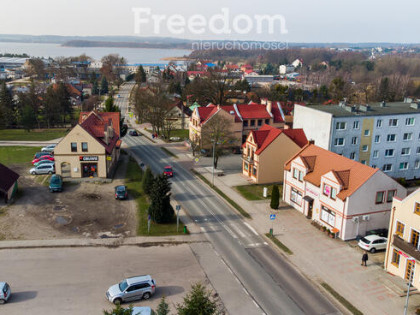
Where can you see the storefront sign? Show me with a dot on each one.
(88, 158)
(311, 192)
(109, 158)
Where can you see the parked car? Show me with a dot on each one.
(379, 232)
(372, 243)
(134, 288)
(121, 192)
(5, 292)
(42, 158)
(56, 183)
(141, 310)
(44, 162)
(168, 171)
(49, 148)
(42, 169)
(39, 154)
(133, 133)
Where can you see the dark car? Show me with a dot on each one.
(133, 133)
(56, 183)
(121, 192)
(379, 232)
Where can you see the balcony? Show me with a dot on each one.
(406, 247)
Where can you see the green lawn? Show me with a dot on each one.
(133, 182)
(33, 135)
(255, 192)
(182, 133)
(17, 155)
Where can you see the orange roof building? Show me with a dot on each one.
(345, 196)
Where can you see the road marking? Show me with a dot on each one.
(251, 228)
(238, 230)
(255, 303)
(247, 293)
(265, 243)
(203, 229)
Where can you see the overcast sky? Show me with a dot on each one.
(305, 20)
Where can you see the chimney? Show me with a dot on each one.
(106, 139)
(269, 106)
(312, 141)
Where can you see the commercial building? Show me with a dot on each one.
(345, 196)
(383, 135)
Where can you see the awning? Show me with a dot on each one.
(335, 230)
(118, 145)
(308, 199)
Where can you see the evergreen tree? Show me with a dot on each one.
(95, 88)
(163, 307)
(6, 106)
(197, 301)
(147, 181)
(28, 118)
(275, 197)
(104, 85)
(160, 209)
(109, 105)
(140, 75)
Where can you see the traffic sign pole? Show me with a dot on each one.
(272, 218)
(178, 207)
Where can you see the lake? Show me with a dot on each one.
(132, 55)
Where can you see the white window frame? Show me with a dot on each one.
(375, 154)
(356, 124)
(405, 149)
(404, 168)
(389, 155)
(409, 136)
(339, 125)
(354, 140)
(391, 134)
(352, 155)
(379, 123)
(391, 122)
(365, 148)
(366, 134)
(337, 144)
(387, 170)
(377, 137)
(410, 121)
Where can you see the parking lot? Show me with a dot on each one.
(74, 280)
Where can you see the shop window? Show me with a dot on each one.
(296, 196)
(400, 229)
(73, 146)
(327, 216)
(395, 258)
(379, 197)
(84, 146)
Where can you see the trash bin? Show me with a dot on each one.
(271, 232)
(185, 229)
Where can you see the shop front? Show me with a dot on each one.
(89, 166)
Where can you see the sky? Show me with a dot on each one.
(303, 20)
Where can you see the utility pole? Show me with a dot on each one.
(214, 149)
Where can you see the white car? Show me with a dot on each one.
(141, 310)
(372, 243)
(5, 292)
(49, 148)
(42, 169)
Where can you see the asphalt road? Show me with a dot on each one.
(275, 286)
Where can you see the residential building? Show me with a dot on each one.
(345, 196)
(402, 256)
(256, 79)
(283, 69)
(383, 135)
(243, 117)
(267, 149)
(178, 116)
(91, 148)
(8, 183)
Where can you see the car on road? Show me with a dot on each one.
(121, 192)
(42, 169)
(56, 183)
(43, 158)
(5, 292)
(118, 96)
(372, 243)
(130, 289)
(379, 232)
(168, 171)
(39, 154)
(133, 133)
(141, 310)
(44, 162)
(49, 148)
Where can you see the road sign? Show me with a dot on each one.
(272, 216)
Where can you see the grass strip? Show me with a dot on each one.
(33, 135)
(341, 299)
(169, 152)
(230, 201)
(279, 244)
(17, 155)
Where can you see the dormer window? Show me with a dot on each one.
(330, 191)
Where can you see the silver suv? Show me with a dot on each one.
(134, 288)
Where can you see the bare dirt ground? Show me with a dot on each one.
(81, 210)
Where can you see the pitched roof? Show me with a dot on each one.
(206, 112)
(7, 178)
(318, 161)
(114, 116)
(297, 135)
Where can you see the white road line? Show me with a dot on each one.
(238, 230)
(247, 293)
(203, 230)
(251, 228)
(256, 304)
(265, 243)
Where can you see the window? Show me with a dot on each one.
(391, 138)
(327, 190)
(379, 123)
(400, 229)
(84, 146)
(365, 148)
(408, 136)
(300, 176)
(377, 139)
(252, 122)
(389, 152)
(403, 165)
(339, 141)
(414, 238)
(417, 208)
(245, 123)
(387, 168)
(340, 125)
(417, 164)
(405, 151)
(373, 166)
(354, 140)
(259, 122)
(295, 173)
(355, 124)
(390, 195)
(380, 197)
(393, 122)
(375, 154)
(395, 258)
(73, 147)
(418, 150)
(352, 155)
(363, 162)
(327, 216)
(367, 132)
(333, 193)
(296, 196)
(267, 121)
(409, 121)
(254, 171)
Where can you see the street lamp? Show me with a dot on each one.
(214, 149)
